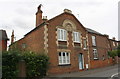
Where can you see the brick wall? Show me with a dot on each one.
(3, 45)
(34, 41)
(53, 48)
(101, 63)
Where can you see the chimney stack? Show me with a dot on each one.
(39, 16)
(67, 11)
(12, 37)
(113, 38)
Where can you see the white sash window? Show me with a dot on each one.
(62, 35)
(76, 37)
(93, 40)
(64, 58)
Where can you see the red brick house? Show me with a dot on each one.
(3, 40)
(98, 49)
(69, 45)
(113, 43)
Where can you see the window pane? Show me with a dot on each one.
(64, 58)
(63, 54)
(67, 54)
(59, 34)
(93, 40)
(62, 34)
(65, 34)
(60, 58)
(76, 36)
(95, 54)
(60, 54)
(68, 60)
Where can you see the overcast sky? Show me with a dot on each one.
(19, 15)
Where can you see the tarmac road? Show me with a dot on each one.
(109, 72)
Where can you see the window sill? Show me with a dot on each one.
(96, 59)
(85, 48)
(62, 40)
(76, 42)
(64, 65)
(94, 45)
(77, 47)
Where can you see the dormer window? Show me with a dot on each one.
(62, 34)
(76, 36)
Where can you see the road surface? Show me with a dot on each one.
(109, 72)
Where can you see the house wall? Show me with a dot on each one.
(34, 41)
(54, 46)
(3, 45)
(44, 39)
(101, 63)
(113, 44)
(102, 49)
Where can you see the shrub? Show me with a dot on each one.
(112, 53)
(10, 60)
(36, 64)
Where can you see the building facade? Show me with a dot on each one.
(3, 40)
(69, 45)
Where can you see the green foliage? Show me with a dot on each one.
(36, 64)
(10, 60)
(112, 53)
(118, 51)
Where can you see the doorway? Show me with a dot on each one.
(81, 61)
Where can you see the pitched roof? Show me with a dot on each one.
(3, 35)
(93, 31)
(35, 28)
(53, 19)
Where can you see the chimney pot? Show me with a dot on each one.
(67, 11)
(113, 38)
(44, 17)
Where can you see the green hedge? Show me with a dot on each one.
(115, 52)
(36, 64)
(9, 64)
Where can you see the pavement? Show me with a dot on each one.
(110, 71)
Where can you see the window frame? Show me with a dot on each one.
(64, 60)
(85, 43)
(95, 54)
(76, 37)
(94, 40)
(61, 34)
